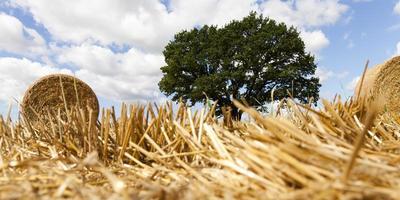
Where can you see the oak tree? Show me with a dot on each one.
(247, 59)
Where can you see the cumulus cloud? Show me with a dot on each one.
(396, 8)
(16, 38)
(324, 74)
(82, 33)
(146, 24)
(218, 12)
(150, 24)
(17, 74)
(138, 23)
(306, 15)
(119, 76)
(352, 84)
(314, 40)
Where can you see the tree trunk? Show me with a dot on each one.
(236, 113)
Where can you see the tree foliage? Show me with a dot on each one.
(246, 59)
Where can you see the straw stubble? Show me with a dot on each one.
(158, 152)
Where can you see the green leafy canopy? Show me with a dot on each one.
(246, 59)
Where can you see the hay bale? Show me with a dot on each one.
(48, 93)
(382, 81)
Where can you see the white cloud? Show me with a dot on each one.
(358, 1)
(396, 8)
(349, 40)
(118, 76)
(16, 38)
(126, 22)
(146, 24)
(305, 13)
(218, 12)
(17, 74)
(314, 40)
(149, 25)
(352, 84)
(393, 27)
(397, 49)
(324, 74)
(81, 33)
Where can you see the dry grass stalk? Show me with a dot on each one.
(157, 152)
(371, 115)
(150, 152)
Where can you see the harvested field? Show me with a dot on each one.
(154, 152)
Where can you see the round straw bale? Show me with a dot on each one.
(382, 81)
(56, 92)
(368, 82)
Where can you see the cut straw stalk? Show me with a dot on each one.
(158, 152)
(371, 115)
(359, 88)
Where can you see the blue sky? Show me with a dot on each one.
(116, 46)
(369, 35)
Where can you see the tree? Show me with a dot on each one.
(245, 59)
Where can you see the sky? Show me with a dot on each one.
(116, 45)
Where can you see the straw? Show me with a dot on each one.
(158, 152)
(57, 92)
(382, 81)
